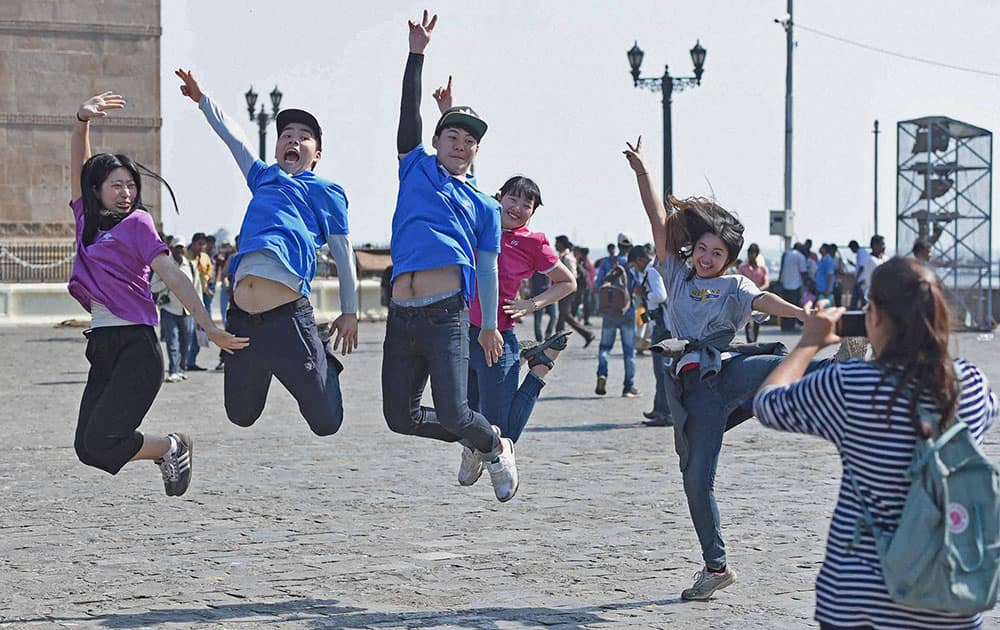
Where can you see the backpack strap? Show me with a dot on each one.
(866, 520)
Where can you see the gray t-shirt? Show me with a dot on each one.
(699, 307)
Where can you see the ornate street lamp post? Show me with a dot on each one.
(667, 85)
(262, 117)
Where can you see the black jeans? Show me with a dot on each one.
(285, 343)
(794, 296)
(431, 342)
(126, 371)
(553, 314)
(566, 316)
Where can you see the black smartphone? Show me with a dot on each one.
(852, 324)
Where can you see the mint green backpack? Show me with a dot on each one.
(943, 554)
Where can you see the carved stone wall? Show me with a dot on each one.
(54, 54)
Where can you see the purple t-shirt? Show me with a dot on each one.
(114, 269)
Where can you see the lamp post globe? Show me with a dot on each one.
(635, 55)
(276, 99)
(251, 97)
(698, 54)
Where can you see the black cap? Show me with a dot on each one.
(288, 116)
(462, 117)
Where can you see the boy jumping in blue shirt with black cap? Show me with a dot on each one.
(445, 241)
(293, 212)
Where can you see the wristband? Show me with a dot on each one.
(83, 120)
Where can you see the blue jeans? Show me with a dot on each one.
(286, 345)
(223, 305)
(192, 355)
(176, 331)
(431, 342)
(493, 391)
(714, 406)
(610, 326)
(660, 372)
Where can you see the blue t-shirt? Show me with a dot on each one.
(440, 220)
(823, 270)
(292, 217)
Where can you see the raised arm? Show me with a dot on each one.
(651, 201)
(79, 152)
(227, 129)
(410, 129)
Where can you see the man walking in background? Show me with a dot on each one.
(203, 263)
(566, 315)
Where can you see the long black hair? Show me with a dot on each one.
(95, 171)
(910, 297)
(693, 218)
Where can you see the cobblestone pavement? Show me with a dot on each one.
(368, 529)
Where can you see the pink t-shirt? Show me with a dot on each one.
(758, 274)
(114, 269)
(522, 253)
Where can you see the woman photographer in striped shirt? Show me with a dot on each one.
(870, 411)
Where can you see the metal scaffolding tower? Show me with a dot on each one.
(944, 186)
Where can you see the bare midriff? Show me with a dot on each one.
(415, 284)
(254, 294)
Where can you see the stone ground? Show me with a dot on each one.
(368, 529)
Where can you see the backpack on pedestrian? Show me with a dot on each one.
(613, 296)
(943, 554)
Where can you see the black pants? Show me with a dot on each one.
(566, 316)
(126, 371)
(829, 626)
(285, 343)
(431, 342)
(794, 296)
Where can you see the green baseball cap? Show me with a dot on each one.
(463, 117)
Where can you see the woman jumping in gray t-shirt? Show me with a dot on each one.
(713, 386)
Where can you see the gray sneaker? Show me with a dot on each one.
(503, 472)
(706, 583)
(472, 464)
(176, 468)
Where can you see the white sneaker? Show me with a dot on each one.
(173, 378)
(706, 583)
(503, 472)
(472, 464)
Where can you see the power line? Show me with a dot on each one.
(892, 53)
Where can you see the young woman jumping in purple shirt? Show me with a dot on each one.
(117, 244)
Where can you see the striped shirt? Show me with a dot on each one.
(845, 403)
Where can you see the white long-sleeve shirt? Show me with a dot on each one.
(157, 285)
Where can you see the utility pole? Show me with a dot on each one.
(875, 132)
(789, 45)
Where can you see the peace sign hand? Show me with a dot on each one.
(97, 106)
(443, 96)
(634, 157)
(190, 89)
(420, 34)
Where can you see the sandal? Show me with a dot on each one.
(536, 355)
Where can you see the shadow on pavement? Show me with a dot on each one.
(51, 383)
(326, 613)
(599, 426)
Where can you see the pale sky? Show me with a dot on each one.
(552, 80)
